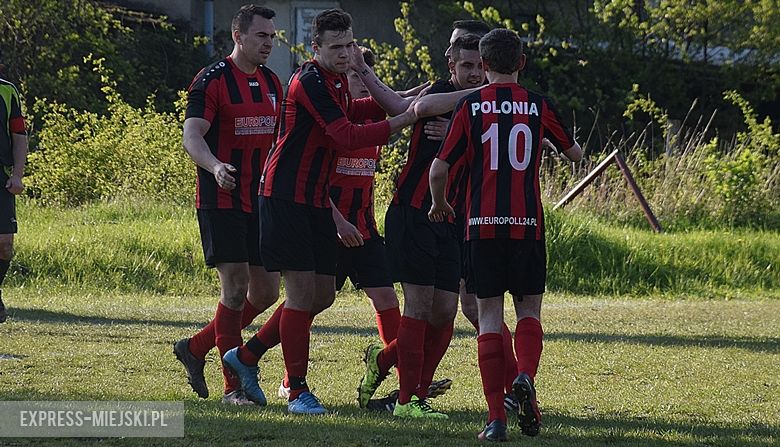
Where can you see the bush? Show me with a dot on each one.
(84, 157)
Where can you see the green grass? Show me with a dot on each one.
(98, 294)
(136, 247)
(650, 372)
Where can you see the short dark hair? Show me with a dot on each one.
(330, 20)
(246, 14)
(368, 56)
(465, 42)
(502, 50)
(477, 27)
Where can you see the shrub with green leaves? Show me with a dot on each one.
(83, 157)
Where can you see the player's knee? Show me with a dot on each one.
(234, 292)
(6, 249)
(383, 298)
(469, 309)
(419, 309)
(322, 303)
(263, 297)
(491, 321)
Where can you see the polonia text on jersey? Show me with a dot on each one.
(506, 108)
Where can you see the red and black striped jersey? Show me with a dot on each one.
(11, 120)
(318, 117)
(352, 184)
(499, 131)
(412, 185)
(243, 110)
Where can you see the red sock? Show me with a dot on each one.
(388, 357)
(286, 379)
(205, 340)
(411, 336)
(227, 326)
(249, 313)
(268, 334)
(510, 363)
(437, 340)
(528, 345)
(490, 347)
(294, 328)
(387, 322)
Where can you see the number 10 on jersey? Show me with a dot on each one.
(517, 164)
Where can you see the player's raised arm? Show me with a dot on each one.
(439, 103)
(387, 98)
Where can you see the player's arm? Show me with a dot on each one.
(573, 153)
(314, 96)
(414, 91)
(556, 133)
(349, 234)
(437, 179)
(19, 149)
(440, 103)
(387, 98)
(14, 185)
(452, 149)
(195, 144)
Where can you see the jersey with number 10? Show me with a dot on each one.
(499, 130)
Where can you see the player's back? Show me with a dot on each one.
(502, 127)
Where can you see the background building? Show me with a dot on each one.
(371, 19)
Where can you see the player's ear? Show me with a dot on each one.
(521, 63)
(485, 66)
(451, 66)
(237, 37)
(314, 47)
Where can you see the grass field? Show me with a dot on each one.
(99, 295)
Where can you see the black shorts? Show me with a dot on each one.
(366, 266)
(229, 235)
(297, 237)
(7, 207)
(420, 251)
(500, 265)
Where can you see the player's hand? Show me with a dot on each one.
(436, 130)
(439, 212)
(548, 145)
(356, 61)
(415, 90)
(349, 234)
(222, 174)
(14, 185)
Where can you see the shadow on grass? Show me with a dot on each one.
(210, 423)
(48, 316)
(755, 344)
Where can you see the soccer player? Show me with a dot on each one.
(468, 301)
(499, 131)
(424, 256)
(298, 234)
(361, 257)
(231, 119)
(13, 155)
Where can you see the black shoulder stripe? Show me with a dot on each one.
(271, 80)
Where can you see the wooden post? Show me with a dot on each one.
(635, 188)
(586, 181)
